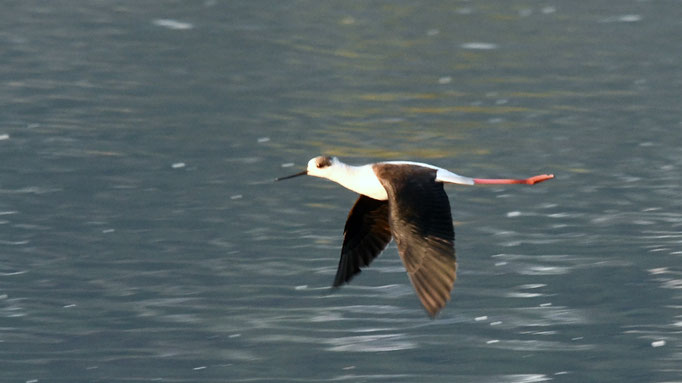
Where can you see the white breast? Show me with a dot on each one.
(362, 180)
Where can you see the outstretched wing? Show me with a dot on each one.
(421, 224)
(365, 236)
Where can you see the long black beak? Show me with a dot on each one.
(292, 176)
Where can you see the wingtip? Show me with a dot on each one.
(433, 311)
(340, 280)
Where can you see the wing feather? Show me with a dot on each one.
(421, 223)
(365, 236)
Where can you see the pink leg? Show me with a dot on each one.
(528, 181)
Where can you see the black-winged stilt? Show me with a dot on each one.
(406, 201)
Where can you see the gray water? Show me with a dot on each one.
(143, 240)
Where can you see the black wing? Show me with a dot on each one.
(365, 236)
(421, 224)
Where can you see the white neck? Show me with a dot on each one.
(360, 179)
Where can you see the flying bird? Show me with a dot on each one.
(405, 201)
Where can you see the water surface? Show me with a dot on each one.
(142, 238)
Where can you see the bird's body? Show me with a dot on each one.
(405, 201)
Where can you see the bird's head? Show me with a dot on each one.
(320, 166)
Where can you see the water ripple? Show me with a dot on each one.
(372, 343)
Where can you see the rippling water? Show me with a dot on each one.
(142, 238)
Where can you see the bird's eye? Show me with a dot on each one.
(323, 162)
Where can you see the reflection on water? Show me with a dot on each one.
(143, 239)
